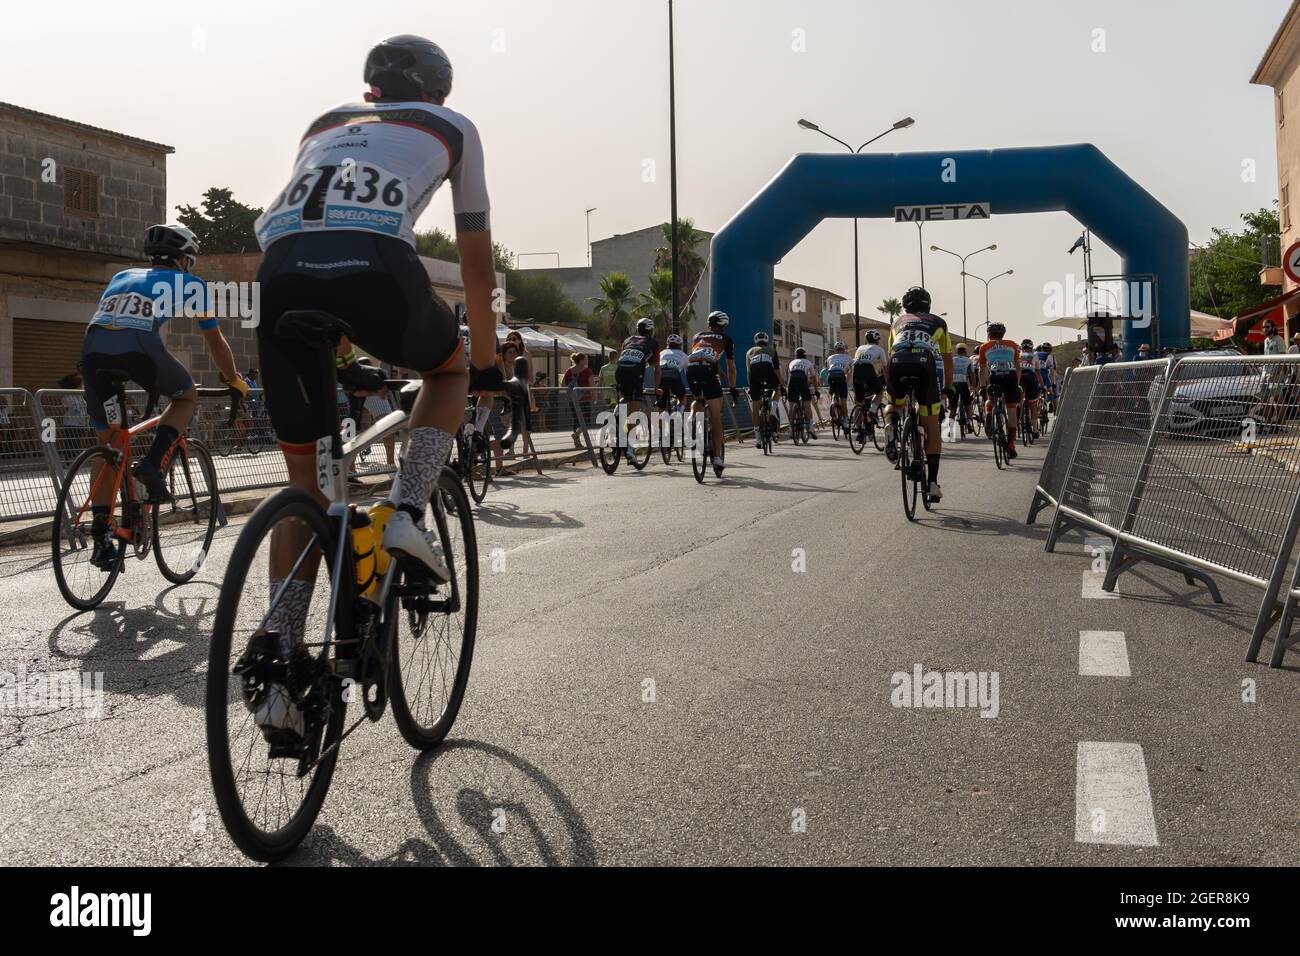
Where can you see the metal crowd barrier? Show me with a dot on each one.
(1076, 388)
(28, 486)
(1191, 464)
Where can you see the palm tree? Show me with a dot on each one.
(891, 308)
(657, 303)
(690, 265)
(611, 305)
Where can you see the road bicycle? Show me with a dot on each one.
(910, 442)
(634, 445)
(672, 426)
(471, 455)
(997, 427)
(239, 432)
(367, 629)
(1044, 422)
(862, 427)
(800, 428)
(839, 420)
(769, 426)
(702, 451)
(178, 530)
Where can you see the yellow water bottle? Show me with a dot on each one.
(363, 549)
(379, 515)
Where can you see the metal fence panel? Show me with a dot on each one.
(1071, 410)
(1224, 472)
(28, 485)
(1112, 442)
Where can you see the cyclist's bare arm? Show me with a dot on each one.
(219, 348)
(478, 272)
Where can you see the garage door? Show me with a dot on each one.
(45, 351)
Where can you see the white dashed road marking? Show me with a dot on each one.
(1112, 796)
(1103, 654)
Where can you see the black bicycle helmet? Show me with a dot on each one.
(916, 300)
(718, 320)
(408, 67)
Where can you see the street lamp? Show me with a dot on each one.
(904, 123)
(963, 276)
(987, 283)
(589, 212)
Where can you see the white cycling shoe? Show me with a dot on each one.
(936, 493)
(280, 720)
(403, 538)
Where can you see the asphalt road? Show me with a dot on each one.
(675, 674)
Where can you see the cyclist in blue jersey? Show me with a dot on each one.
(124, 336)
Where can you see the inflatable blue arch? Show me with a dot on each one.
(1076, 179)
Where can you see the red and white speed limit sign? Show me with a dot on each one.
(1291, 262)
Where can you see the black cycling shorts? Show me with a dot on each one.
(704, 380)
(1008, 383)
(867, 382)
(670, 383)
(761, 379)
(918, 373)
(1029, 384)
(963, 392)
(141, 355)
(798, 390)
(838, 386)
(374, 283)
(629, 382)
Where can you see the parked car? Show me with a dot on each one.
(1214, 396)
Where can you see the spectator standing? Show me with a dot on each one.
(578, 376)
(1274, 379)
(607, 380)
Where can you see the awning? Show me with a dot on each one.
(1249, 323)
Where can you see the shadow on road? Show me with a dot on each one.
(507, 515)
(484, 806)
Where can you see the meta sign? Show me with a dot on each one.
(947, 212)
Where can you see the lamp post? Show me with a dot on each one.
(904, 123)
(589, 212)
(987, 283)
(672, 163)
(963, 276)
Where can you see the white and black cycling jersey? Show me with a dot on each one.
(839, 363)
(872, 355)
(673, 360)
(374, 167)
(960, 367)
(804, 367)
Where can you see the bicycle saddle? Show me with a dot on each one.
(312, 327)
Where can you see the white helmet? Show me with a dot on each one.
(719, 319)
(646, 326)
(169, 241)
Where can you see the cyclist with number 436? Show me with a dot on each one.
(340, 239)
(918, 343)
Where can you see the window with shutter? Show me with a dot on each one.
(80, 192)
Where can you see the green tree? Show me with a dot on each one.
(224, 225)
(611, 307)
(657, 302)
(1225, 271)
(539, 298)
(437, 243)
(890, 308)
(690, 265)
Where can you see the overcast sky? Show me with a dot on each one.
(571, 100)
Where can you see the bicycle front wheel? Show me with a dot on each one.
(702, 447)
(85, 585)
(610, 447)
(268, 798)
(478, 470)
(431, 629)
(183, 529)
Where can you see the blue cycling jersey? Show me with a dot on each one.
(145, 299)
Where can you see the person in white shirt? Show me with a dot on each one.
(799, 388)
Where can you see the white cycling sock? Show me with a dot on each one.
(426, 451)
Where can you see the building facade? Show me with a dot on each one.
(805, 317)
(1279, 69)
(75, 201)
(634, 254)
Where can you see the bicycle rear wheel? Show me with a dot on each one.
(998, 434)
(268, 802)
(667, 436)
(431, 630)
(702, 447)
(611, 450)
(82, 584)
(184, 528)
(906, 465)
(858, 429)
(639, 443)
